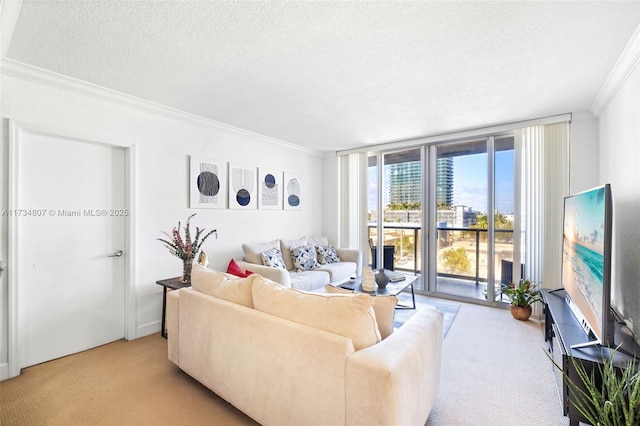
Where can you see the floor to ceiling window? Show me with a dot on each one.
(466, 198)
(399, 200)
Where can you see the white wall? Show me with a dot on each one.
(584, 152)
(161, 146)
(620, 166)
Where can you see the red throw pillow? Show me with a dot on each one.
(234, 269)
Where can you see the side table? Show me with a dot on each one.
(167, 285)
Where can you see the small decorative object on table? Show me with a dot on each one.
(381, 278)
(368, 280)
(522, 296)
(186, 248)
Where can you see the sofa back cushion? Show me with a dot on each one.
(253, 252)
(223, 286)
(348, 315)
(383, 306)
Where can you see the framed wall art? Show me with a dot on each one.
(242, 186)
(269, 189)
(207, 183)
(293, 191)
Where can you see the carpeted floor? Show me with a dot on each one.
(448, 309)
(122, 383)
(495, 372)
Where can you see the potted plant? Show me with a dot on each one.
(185, 248)
(522, 295)
(606, 395)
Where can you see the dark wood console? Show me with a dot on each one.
(562, 331)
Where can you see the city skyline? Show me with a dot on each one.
(469, 182)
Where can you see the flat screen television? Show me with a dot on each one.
(586, 261)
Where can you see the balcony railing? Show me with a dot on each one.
(406, 238)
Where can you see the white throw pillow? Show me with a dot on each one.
(348, 315)
(383, 306)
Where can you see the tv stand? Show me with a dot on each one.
(565, 337)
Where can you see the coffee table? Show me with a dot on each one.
(391, 289)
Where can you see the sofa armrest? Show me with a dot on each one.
(351, 255)
(396, 381)
(173, 329)
(274, 274)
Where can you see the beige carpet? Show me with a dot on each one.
(122, 383)
(494, 373)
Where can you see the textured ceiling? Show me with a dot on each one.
(335, 75)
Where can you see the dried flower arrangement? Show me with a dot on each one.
(186, 248)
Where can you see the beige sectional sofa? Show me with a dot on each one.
(330, 273)
(290, 357)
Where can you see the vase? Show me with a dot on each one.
(521, 313)
(381, 278)
(187, 264)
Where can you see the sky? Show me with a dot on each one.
(470, 182)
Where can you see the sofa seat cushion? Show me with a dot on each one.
(309, 280)
(338, 272)
(223, 286)
(348, 315)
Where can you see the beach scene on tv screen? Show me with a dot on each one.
(583, 253)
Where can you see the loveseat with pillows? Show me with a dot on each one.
(289, 357)
(302, 263)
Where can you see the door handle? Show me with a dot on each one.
(117, 253)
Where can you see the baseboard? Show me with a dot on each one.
(147, 329)
(4, 371)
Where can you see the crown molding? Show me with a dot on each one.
(621, 71)
(45, 77)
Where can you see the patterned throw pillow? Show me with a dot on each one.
(273, 258)
(304, 258)
(327, 254)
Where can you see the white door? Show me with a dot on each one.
(72, 217)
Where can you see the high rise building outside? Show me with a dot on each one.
(405, 181)
(444, 181)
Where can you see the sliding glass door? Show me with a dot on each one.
(463, 192)
(395, 210)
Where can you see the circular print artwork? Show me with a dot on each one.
(293, 200)
(270, 181)
(243, 197)
(208, 184)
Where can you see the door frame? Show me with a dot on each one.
(13, 289)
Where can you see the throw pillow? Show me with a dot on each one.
(273, 258)
(383, 306)
(348, 315)
(285, 248)
(234, 269)
(327, 254)
(304, 258)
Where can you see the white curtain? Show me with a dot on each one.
(544, 152)
(353, 201)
